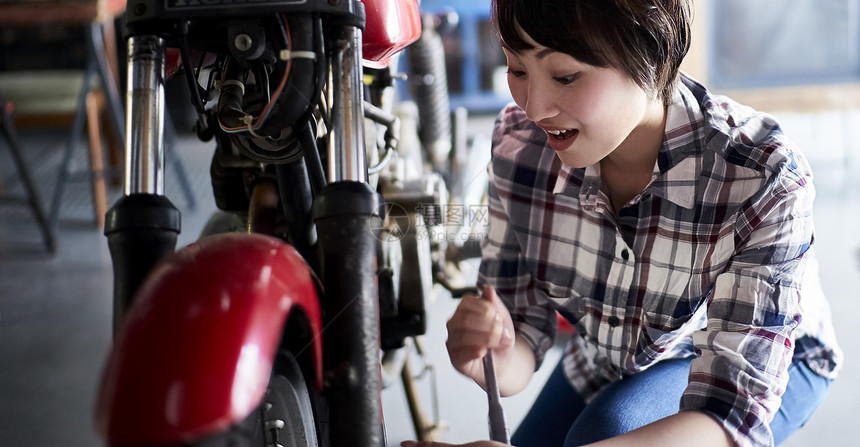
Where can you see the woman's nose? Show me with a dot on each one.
(540, 102)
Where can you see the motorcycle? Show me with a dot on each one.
(281, 324)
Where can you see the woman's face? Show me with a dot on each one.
(587, 112)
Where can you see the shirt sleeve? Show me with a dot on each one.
(754, 308)
(504, 268)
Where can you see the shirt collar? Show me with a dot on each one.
(583, 183)
(679, 163)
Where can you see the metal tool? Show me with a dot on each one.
(498, 427)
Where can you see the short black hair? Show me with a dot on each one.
(647, 39)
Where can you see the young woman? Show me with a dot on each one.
(672, 227)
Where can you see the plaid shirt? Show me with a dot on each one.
(713, 259)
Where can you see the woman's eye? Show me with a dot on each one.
(565, 80)
(516, 73)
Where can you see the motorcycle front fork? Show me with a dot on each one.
(142, 227)
(346, 214)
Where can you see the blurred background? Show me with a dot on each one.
(797, 59)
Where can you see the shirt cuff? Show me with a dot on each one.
(538, 341)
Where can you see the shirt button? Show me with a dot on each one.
(625, 255)
(613, 321)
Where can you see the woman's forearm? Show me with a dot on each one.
(517, 371)
(676, 430)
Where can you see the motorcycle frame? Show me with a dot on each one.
(142, 226)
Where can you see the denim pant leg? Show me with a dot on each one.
(553, 412)
(632, 402)
(560, 416)
(803, 394)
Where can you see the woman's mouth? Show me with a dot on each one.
(562, 134)
(560, 140)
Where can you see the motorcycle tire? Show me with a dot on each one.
(284, 418)
(223, 222)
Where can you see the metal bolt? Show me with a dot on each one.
(243, 42)
(140, 9)
(275, 424)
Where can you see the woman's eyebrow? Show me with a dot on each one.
(544, 52)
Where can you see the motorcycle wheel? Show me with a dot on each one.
(284, 418)
(223, 222)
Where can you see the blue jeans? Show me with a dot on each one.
(560, 417)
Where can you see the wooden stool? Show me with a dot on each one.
(98, 87)
(51, 103)
(97, 18)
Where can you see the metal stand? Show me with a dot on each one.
(96, 66)
(32, 194)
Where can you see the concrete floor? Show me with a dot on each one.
(55, 310)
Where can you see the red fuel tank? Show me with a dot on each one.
(391, 26)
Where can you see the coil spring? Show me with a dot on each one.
(429, 89)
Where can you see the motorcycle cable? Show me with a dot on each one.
(251, 124)
(263, 75)
(190, 75)
(319, 81)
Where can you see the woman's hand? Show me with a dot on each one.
(441, 444)
(480, 324)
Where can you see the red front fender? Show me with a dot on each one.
(197, 346)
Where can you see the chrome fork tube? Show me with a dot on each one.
(142, 226)
(346, 147)
(144, 144)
